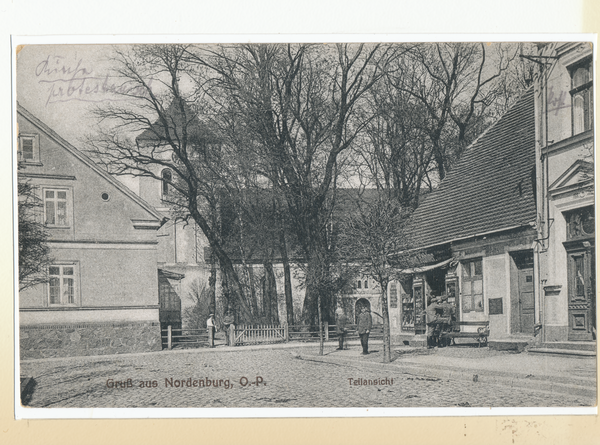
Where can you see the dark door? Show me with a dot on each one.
(526, 305)
(581, 296)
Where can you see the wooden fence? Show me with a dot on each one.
(263, 334)
(184, 338)
(260, 334)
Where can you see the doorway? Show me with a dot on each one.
(525, 292)
(360, 303)
(582, 298)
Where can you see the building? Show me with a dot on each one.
(102, 293)
(566, 229)
(478, 229)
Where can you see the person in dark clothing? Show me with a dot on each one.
(364, 327)
(446, 319)
(431, 314)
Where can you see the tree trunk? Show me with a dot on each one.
(234, 284)
(212, 288)
(387, 350)
(270, 292)
(320, 324)
(315, 277)
(287, 277)
(253, 301)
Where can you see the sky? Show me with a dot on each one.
(60, 83)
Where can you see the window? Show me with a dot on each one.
(61, 284)
(472, 286)
(56, 207)
(366, 284)
(167, 179)
(359, 284)
(29, 149)
(582, 101)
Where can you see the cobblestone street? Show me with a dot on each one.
(287, 377)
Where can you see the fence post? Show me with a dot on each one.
(286, 332)
(169, 340)
(326, 327)
(231, 334)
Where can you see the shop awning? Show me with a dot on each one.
(427, 268)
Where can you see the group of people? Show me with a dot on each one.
(228, 327)
(365, 322)
(440, 316)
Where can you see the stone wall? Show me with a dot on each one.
(42, 341)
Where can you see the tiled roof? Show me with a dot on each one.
(490, 188)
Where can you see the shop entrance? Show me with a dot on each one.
(525, 305)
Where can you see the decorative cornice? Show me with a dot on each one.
(46, 176)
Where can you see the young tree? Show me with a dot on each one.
(34, 254)
(375, 241)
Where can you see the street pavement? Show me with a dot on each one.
(294, 375)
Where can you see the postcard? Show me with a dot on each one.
(299, 229)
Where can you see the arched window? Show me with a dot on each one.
(167, 178)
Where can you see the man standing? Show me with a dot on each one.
(447, 318)
(210, 327)
(364, 327)
(431, 322)
(340, 326)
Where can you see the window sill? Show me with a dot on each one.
(31, 163)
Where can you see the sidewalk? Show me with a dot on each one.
(568, 375)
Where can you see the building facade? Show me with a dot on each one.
(478, 231)
(102, 291)
(565, 153)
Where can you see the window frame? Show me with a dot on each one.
(468, 275)
(584, 92)
(34, 138)
(68, 204)
(62, 276)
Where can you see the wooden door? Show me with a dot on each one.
(526, 301)
(582, 297)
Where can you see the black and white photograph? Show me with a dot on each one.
(375, 225)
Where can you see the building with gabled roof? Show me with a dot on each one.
(102, 291)
(479, 228)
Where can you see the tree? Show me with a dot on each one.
(163, 110)
(455, 84)
(196, 315)
(292, 110)
(34, 254)
(375, 241)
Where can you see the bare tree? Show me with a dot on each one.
(34, 253)
(375, 241)
(297, 108)
(163, 110)
(455, 83)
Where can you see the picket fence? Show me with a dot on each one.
(261, 334)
